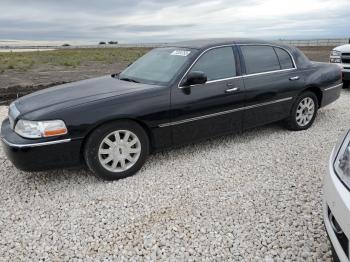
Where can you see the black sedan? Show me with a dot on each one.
(173, 95)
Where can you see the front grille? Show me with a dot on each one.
(343, 240)
(345, 60)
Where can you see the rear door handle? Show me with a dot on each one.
(294, 78)
(231, 90)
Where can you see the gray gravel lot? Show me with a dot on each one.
(252, 197)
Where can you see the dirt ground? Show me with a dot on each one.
(18, 83)
(317, 53)
(15, 83)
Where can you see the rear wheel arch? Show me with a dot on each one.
(297, 113)
(317, 91)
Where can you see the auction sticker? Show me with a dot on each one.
(181, 52)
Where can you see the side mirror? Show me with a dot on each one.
(195, 78)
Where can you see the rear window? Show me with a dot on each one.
(284, 58)
(259, 59)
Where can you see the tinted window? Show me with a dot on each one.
(285, 59)
(217, 63)
(260, 59)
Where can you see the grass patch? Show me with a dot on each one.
(69, 57)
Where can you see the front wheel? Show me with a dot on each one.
(303, 113)
(116, 150)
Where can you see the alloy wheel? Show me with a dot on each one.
(119, 150)
(305, 111)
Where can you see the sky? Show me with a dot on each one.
(146, 21)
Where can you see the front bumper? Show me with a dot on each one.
(337, 206)
(39, 154)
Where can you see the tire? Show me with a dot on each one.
(346, 84)
(295, 120)
(335, 255)
(112, 160)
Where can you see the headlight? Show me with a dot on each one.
(335, 53)
(335, 60)
(37, 129)
(342, 163)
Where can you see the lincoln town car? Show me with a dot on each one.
(174, 95)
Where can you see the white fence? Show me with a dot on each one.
(310, 42)
(305, 42)
(317, 42)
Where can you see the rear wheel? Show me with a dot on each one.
(116, 150)
(303, 112)
(346, 84)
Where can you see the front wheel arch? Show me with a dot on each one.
(90, 150)
(140, 123)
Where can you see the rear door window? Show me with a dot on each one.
(260, 59)
(284, 58)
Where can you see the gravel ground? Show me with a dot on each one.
(252, 197)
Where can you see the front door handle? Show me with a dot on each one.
(294, 78)
(234, 89)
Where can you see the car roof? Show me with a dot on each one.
(211, 42)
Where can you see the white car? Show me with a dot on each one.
(337, 199)
(341, 55)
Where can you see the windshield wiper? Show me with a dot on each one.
(129, 79)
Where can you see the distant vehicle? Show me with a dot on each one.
(173, 95)
(66, 45)
(341, 56)
(337, 199)
(113, 42)
(102, 43)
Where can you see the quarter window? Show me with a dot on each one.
(284, 58)
(218, 63)
(259, 59)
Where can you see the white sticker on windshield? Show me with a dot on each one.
(181, 52)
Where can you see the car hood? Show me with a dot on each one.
(343, 48)
(76, 93)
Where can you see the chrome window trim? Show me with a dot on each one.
(35, 144)
(269, 72)
(225, 112)
(223, 79)
(245, 75)
(194, 62)
(333, 87)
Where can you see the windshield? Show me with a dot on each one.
(159, 66)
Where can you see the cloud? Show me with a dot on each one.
(171, 20)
